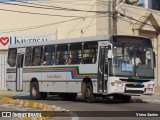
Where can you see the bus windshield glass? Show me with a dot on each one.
(131, 58)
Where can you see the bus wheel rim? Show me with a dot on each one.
(88, 93)
(33, 91)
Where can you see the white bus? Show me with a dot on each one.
(119, 66)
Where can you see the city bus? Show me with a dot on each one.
(117, 66)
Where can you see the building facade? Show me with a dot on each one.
(150, 4)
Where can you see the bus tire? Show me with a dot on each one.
(43, 95)
(34, 91)
(89, 96)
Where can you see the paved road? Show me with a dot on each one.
(105, 105)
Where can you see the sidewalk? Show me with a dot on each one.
(13, 93)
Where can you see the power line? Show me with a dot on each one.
(142, 8)
(35, 27)
(79, 21)
(35, 13)
(65, 32)
(150, 26)
(153, 12)
(123, 15)
(87, 26)
(49, 7)
(28, 28)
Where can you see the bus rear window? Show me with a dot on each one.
(28, 56)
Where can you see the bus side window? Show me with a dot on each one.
(90, 52)
(12, 57)
(37, 56)
(62, 54)
(75, 53)
(49, 52)
(28, 56)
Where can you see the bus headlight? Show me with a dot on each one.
(120, 85)
(150, 85)
(113, 83)
(116, 84)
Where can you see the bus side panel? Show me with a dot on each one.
(30, 73)
(73, 79)
(76, 74)
(11, 78)
(26, 86)
(54, 79)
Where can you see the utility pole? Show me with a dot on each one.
(114, 17)
(110, 18)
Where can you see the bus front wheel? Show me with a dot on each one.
(34, 91)
(89, 96)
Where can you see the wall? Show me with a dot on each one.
(26, 22)
(31, 22)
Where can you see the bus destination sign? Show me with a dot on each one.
(131, 40)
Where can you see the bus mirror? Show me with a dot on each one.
(109, 53)
(154, 59)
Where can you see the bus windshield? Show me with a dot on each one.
(132, 61)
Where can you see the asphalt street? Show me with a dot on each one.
(99, 106)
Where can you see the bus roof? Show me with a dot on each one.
(61, 41)
(71, 40)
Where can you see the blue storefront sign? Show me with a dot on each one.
(19, 40)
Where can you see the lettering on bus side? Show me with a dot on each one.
(54, 76)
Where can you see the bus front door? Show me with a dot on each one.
(19, 75)
(102, 66)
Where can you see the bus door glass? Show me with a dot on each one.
(102, 68)
(19, 74)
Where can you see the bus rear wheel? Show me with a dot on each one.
(34, 91)
(89, 96)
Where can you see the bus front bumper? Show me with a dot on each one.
(135, 89)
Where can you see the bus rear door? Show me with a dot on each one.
(19, 68)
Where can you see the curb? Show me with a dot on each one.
(50, 110)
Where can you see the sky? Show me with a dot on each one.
(141, 1)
